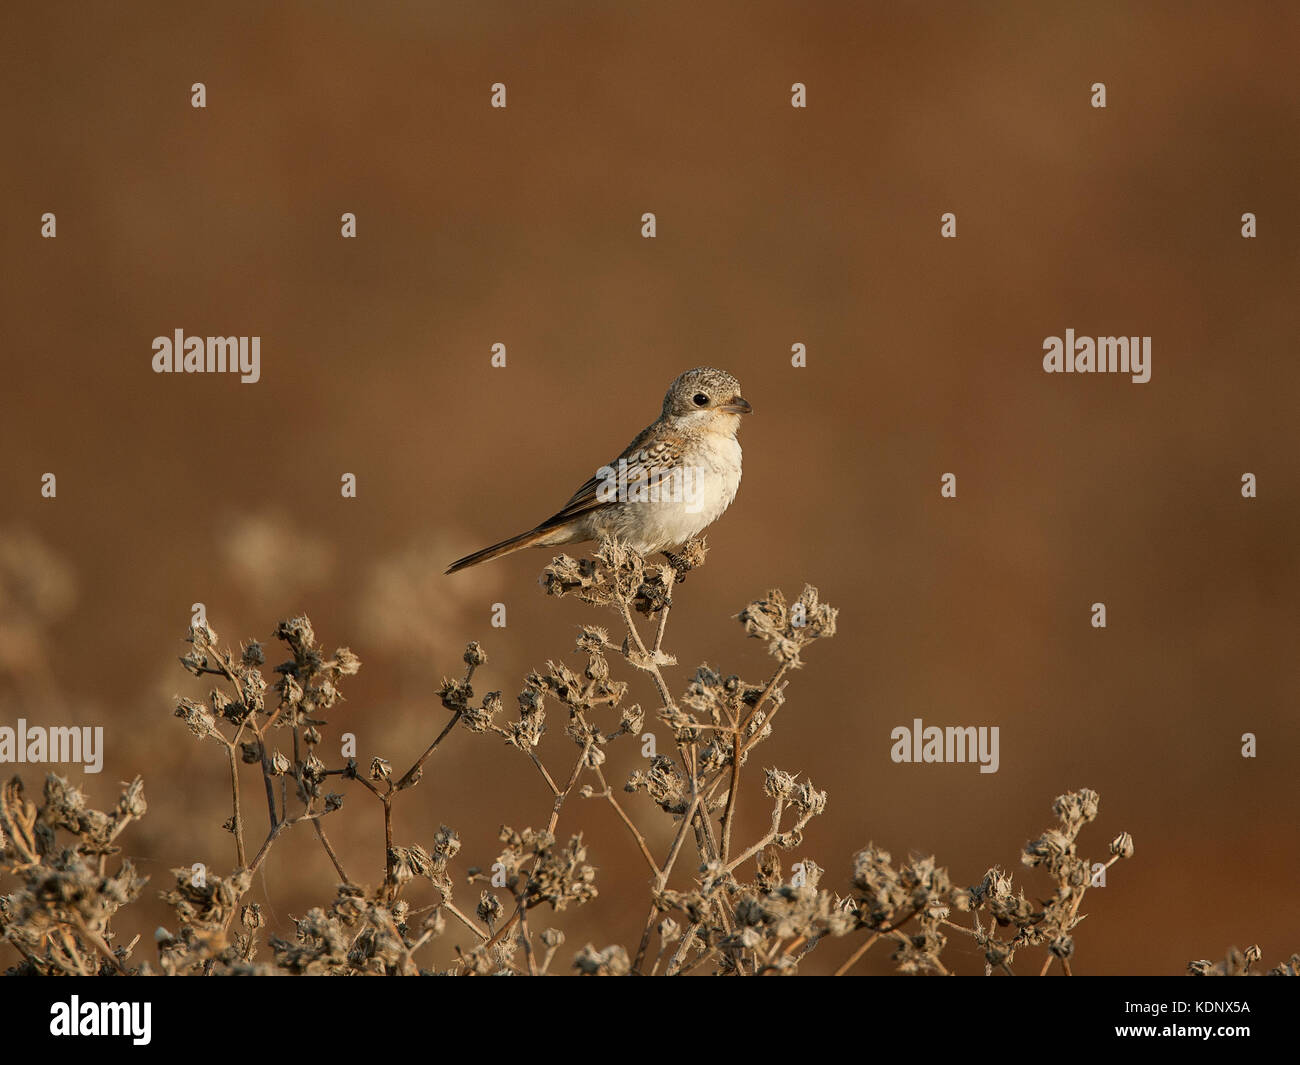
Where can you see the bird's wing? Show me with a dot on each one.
(647, 463)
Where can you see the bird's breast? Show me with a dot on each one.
(681, 505)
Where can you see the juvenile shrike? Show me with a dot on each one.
(673, 480)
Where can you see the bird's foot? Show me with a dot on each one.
(691, 556)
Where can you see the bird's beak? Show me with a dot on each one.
(737, 406)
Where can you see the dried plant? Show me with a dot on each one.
(58, 916)
(717, 903)
(1240, 962)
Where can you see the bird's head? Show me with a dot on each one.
(706, 399)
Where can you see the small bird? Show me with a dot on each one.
(677, 477)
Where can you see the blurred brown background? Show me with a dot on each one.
(776, 226)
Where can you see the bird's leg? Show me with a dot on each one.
(669, 579)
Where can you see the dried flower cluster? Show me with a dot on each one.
(1240, 962)
(717, 904)
(57, 917)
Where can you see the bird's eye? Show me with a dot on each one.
(700, 399)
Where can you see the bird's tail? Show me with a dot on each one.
(531, 538)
